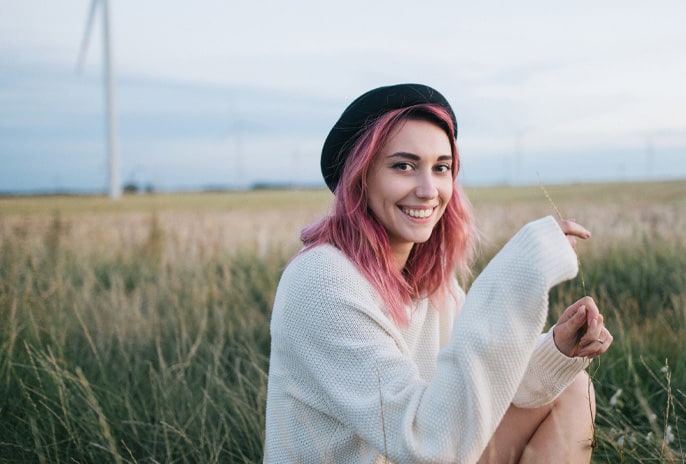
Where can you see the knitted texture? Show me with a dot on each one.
(346, 385)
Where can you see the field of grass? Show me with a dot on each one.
(137, 331)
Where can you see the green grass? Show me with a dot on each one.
(130, 361)
(642, 291)
(136, 347)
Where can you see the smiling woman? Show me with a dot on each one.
(410, 185)
(378, 355)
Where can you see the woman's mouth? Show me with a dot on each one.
(422, 213)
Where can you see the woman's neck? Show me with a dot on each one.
(400, 257)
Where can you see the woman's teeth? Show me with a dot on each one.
(418, 213)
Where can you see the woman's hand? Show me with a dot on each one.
(573, 231)
(580, 330)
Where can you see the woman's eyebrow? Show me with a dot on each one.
(405, 155)
(413, 157)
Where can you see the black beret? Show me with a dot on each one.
(364, 110)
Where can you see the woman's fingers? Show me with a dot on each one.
(573, 325)
(596, 340)
(580, 331)
(597, 346)
(571, 311)
(573, 231)
(571, 227)
(568, 326)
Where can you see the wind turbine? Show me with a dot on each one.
(112, 146)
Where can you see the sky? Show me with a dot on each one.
(227, 94)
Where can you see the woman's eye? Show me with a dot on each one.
(402, 166)
(443, 168)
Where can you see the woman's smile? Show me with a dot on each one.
(417, 213)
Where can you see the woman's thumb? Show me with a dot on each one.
(576, 322)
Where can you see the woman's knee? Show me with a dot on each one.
(580, 393)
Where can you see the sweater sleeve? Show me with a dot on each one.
(548, 373)
(496, 332)
(338, 354)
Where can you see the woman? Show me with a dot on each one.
(379, 356)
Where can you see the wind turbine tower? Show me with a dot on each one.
(108, 84)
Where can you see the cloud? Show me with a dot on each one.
(196, 81)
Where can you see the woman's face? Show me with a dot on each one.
(410, 183)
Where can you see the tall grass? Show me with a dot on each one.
(640, 383)
(143, 337)
(131, 359)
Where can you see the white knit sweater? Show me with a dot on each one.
(346, 385)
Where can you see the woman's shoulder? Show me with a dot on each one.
(321, 281)
(320, 258)
(321, 251)
(324, 266)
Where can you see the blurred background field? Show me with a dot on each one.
(137, 330)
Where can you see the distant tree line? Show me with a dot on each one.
(134, 187)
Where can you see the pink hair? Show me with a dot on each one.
(353, 229)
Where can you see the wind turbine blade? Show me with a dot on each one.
(86, 35)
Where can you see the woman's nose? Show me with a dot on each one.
(426, 186)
